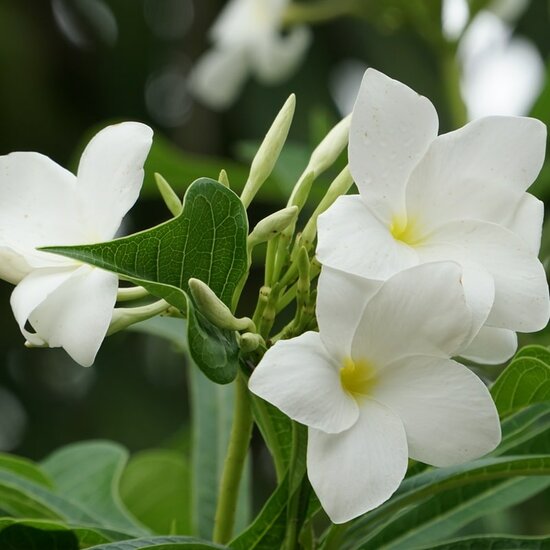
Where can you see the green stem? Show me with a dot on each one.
(320, 11)
(234, 463)
(334, 537)
(292, 513)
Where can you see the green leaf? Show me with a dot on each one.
(433, 482)
(160, 543)
(495, 542)
(24, 468)
(88, 474)
(19, 537)
(526, 380)
(156, 489)
(208, 242)
(211, 414)
(536, 352)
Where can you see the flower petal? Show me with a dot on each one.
(391, 129)
(38, 207)
(521, 291)
(341, 299)
(477, 172)
(421, 310)
(357, 470)
(526, 221)
(301, 379)
(219, 75)
(352, 239)
(110, 175)
(75, 314)
(448, 412)
(277, 56)
(492, 346)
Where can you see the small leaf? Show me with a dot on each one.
(25, 468)
(207, 241)
(526, 380)
(156, 488)
(160, 543)
(88, 474)
(494, 542)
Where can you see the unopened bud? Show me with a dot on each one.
(272, 225)
(330, 148)
(169, 196)
(215, 310)
(250, 341)
(269, 151)
(223, 179)
(124, 317)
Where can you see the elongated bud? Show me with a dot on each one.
(330, 148)
(123, 317)
(269, 151)
(223, 179)
(272, 225)
(215, 310)
(340, 186)
(169, 196)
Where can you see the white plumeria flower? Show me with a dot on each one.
(458, 196)
(246, 38)
(68, 304)
(377, 385)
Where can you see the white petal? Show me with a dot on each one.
(357, 470)
(352, 239)
(421, 310)
(492, 346)
(110, 175)
(277, 56)
(448, 413)
(218, 76)
(38, 207)
(391, 129)
(301, 379)
(32, 291)
(76, 314)
(526, 221)
(477, 172)
(521, 291)
(341, 299)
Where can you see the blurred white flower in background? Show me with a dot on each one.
(247, 39)
(502, 74)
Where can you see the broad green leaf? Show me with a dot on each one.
(19, 537)
(436, 481)
(88, 474)
(536, 352)
(526, 380)
(160, 543)
(211, 414)
(24, 468)
(206, 241)
(494, 542)
(156, 489)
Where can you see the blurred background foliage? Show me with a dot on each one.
(68, 67)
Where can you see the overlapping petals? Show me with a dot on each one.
(390, 357)
(460, 196)
(65, 303)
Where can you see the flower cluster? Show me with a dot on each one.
(435, 258)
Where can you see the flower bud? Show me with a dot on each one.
(272, 225)
(215, 310)
(250, 341)
(169, 196)
(269, 151)
(223, 179)
(123, 317)
(330, 148)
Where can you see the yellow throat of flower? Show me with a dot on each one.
(357, 377)
(405, 229)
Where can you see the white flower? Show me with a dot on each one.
(460, 196)
(376, 385)
(68, 304)
(246, 38)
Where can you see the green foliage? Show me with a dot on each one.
(156, 489)
(208, 242)
(495, 543)
(525, 380)
(160, 543)
(18, 536)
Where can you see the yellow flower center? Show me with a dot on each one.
(357, 377)
(405, 229)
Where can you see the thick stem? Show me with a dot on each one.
(234, 463)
